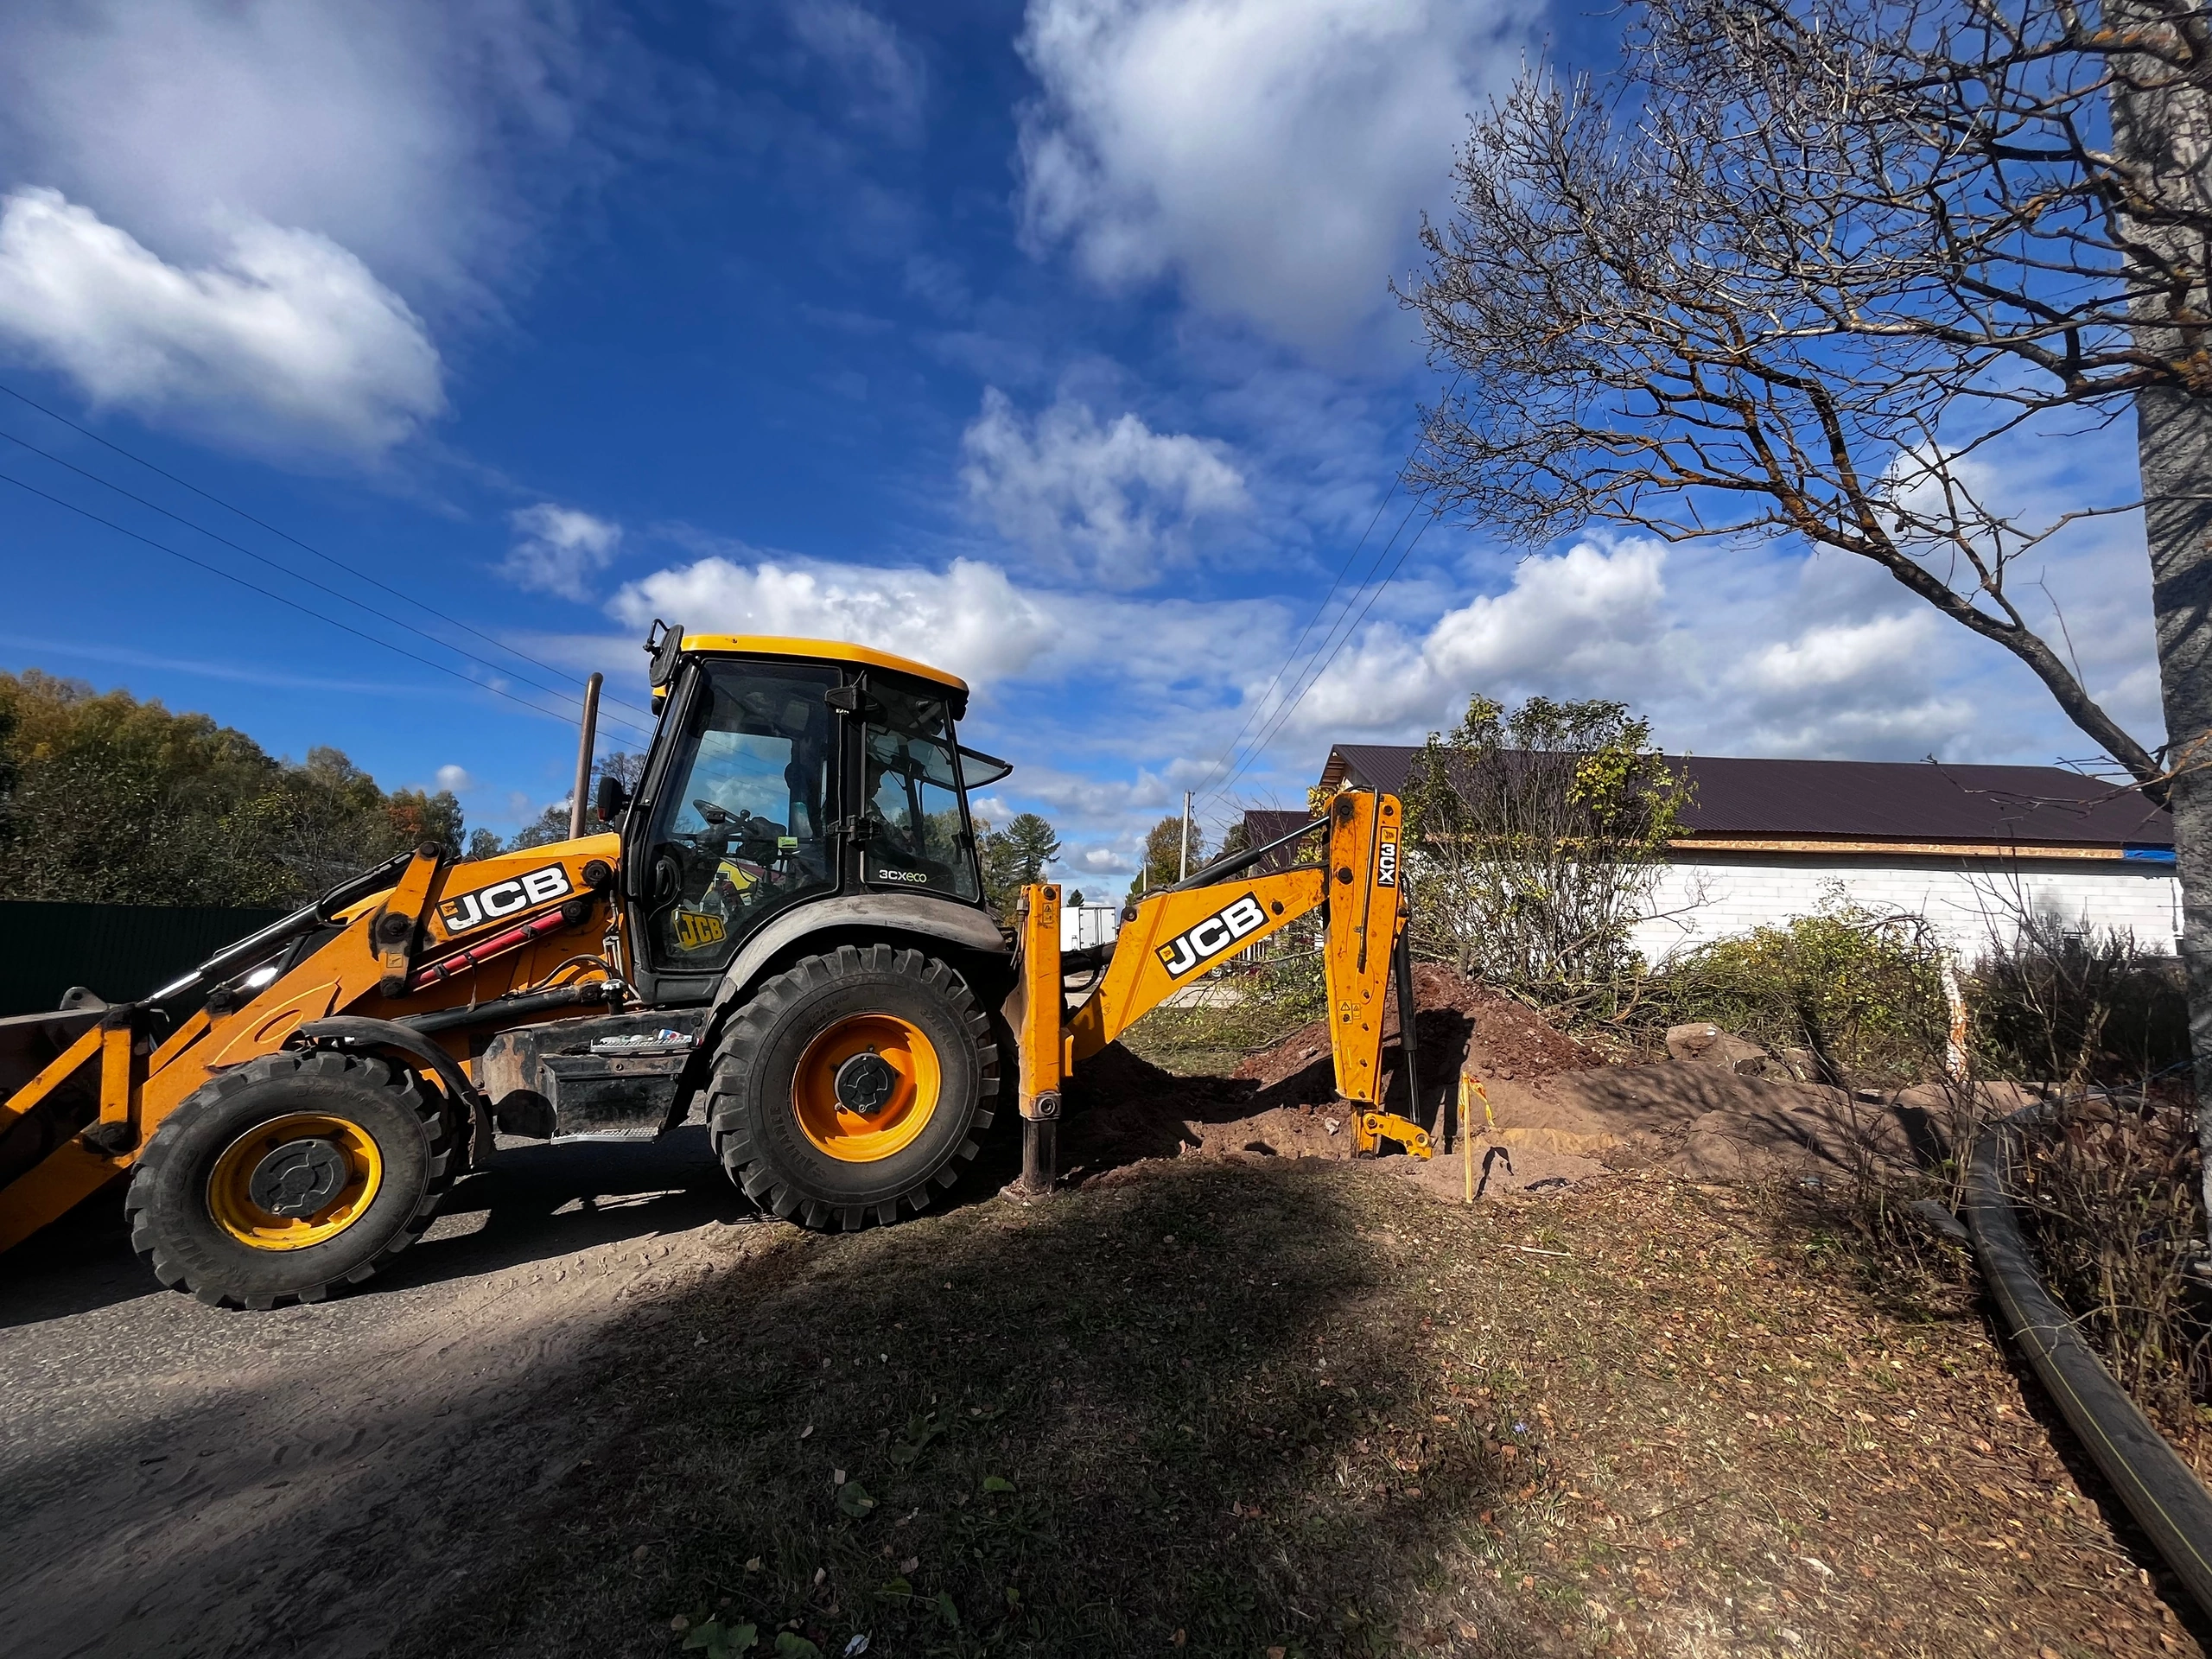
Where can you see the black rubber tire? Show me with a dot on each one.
(168, 1207)
(750, 1112)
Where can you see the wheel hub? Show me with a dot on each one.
(298, 1178)
(865, 1083)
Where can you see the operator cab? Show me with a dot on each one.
(784, 771)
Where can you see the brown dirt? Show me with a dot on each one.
(1460, 1023)
(1556, 1114)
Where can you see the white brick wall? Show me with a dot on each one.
(1965, 899)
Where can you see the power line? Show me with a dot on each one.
(217, 570)
(1300, 682)
(1261, 704)
(1341, 642)
(1297, 645)
(362, 576)
(343, 598)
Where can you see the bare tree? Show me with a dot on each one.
(1537, 839)
(1797, 267)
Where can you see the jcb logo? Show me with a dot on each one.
(695, 930)
(1386, 856)
(1209, 938)
(503, 899)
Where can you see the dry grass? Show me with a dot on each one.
(1209, 1042)
(1253, 1408)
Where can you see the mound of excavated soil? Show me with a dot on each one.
(1556, 1113)
(1282, 1101)
(1460, 1025)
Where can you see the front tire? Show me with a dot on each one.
(851, 1085)
(295, 1175)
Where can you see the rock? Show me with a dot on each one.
(1710, 1045)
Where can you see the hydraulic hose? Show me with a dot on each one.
(2161, 1491)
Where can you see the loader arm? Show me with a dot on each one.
(421, 936)
(1174, 937)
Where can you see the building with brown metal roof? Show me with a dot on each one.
(1967, 846)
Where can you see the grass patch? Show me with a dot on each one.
(1208, 1042)
(1273, 1409)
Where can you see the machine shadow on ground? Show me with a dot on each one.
(1176, 1409)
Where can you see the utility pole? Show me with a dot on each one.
(1183, 865)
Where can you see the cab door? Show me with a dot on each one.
(735, 819)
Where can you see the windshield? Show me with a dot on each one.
(917, 834)
(740, 828)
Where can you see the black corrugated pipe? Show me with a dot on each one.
(2160, 1490)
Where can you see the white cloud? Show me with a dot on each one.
(1272, 156)
(402, 130)
(559, 549)
(287, 344)
(1575, 618)
(1730, 650)
(454, 778)
(1111, 704)
(969, 619)
(1112, 503)
(885, 75)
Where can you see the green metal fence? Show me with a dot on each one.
(122, 951)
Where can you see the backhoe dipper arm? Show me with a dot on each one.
(1176, 935)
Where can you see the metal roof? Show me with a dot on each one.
(1865, 800)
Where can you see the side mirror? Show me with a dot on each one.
(664, 647)
(613, 798)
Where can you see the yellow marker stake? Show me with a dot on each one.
(1471, 1084)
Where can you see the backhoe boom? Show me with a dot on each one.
(1172, 938)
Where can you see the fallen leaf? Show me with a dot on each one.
(853, 1498)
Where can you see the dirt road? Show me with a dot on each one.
(1252, 1400)
(183, 1481)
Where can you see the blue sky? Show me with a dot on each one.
(1047, 341)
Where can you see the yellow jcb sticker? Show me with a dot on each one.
(695, 929)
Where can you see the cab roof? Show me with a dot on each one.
(831, 651)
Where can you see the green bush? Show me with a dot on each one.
(1863, 993)
(2079, 1010)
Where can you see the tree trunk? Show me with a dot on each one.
(2176, 433)
(2162, 124)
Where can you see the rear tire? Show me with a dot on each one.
(368, 1157)
(794, 1107)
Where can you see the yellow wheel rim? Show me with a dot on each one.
(294, 1181)
(908, 1085)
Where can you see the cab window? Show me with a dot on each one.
(740, 828)
(917, 834)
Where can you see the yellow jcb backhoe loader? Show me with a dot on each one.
(784, 933)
